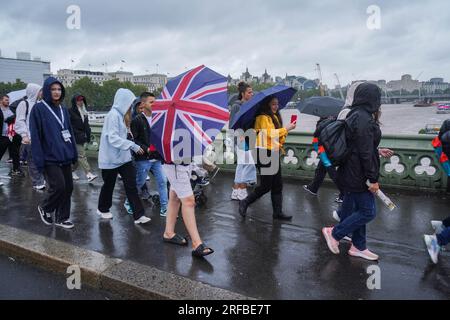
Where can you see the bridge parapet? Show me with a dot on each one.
(414, 165)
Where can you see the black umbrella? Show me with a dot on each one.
(322, 107)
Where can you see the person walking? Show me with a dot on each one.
(151, 160)
(82, 130)
(245, 172)
(23, 112)
(439, 239)
(362, 165)
(115, 158)
(322, 170)
(271, 136)
(182, 195)
(54, 151)
(9, 140)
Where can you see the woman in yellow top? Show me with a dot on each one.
(270, 138)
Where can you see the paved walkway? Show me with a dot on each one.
(258, 257)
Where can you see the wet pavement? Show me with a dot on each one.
(20, 281)
(258, 257)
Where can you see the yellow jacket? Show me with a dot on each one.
(267, 136)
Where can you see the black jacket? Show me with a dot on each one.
(81, 129)
(141, 132)
(444, 136)
(364, 136)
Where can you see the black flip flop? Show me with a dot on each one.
(199, 252)
(177, 239)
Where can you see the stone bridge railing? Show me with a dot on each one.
(414, 165)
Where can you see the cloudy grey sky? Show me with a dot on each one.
(284, 36)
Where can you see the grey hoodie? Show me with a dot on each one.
(22, 118)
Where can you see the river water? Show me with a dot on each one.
(395, 119)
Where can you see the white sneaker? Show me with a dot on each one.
(75, 177)
(336, 216)
(142, 220)
(104, 215)
(242, 194)
(1, 184)
(234, 194)
(438, 226)
(147, 179)
(91, 177)
(41, 187)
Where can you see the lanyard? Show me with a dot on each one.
(61, 123)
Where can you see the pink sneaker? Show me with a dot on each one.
(366, 254)
(333, 245)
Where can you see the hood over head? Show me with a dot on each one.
(368, 96)
(134, 107)
(46, 92)
(444, 128)
(123, 100)
(74, 100)
(32, 92)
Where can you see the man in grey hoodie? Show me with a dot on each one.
(33, 92)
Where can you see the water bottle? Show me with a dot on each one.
(384, 198)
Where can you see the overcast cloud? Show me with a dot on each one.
(284, 36)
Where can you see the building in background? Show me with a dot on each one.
(68, 76)
(152, 82)
(405, 84)
(298, 82)
(435, 84)
(24, 68)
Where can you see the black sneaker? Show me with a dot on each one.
(203, 181)
(306, 187)
(66, 224)
(46, 217)
(17, 173)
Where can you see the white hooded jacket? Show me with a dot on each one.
(22, 118)
(114, 148)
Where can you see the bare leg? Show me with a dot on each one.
(188, 211)
(173, 208)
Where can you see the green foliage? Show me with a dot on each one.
(99, 98)
(6, 88)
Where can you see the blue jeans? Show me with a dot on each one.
(142, 170)
(357, 210)
(444, 237)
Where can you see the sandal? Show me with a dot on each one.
(202, 251)
(177, 239)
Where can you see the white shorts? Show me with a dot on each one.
(180, 180)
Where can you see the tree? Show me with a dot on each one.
(6, 88)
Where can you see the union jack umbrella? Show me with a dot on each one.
(195, 103)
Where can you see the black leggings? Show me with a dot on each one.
(128, 173)
(270, 175)
(13, 148)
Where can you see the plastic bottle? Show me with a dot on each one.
(384, 198)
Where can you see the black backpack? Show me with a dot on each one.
(334, 137)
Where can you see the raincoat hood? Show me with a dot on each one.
(46, 92)
(32, 92)
(367, 96)
(445, 128)
(74, 101)
(123, 100)
(136, 103)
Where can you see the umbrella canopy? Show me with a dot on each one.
(322, 107)
(246, 115)
(190, 112)
(16, 95)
